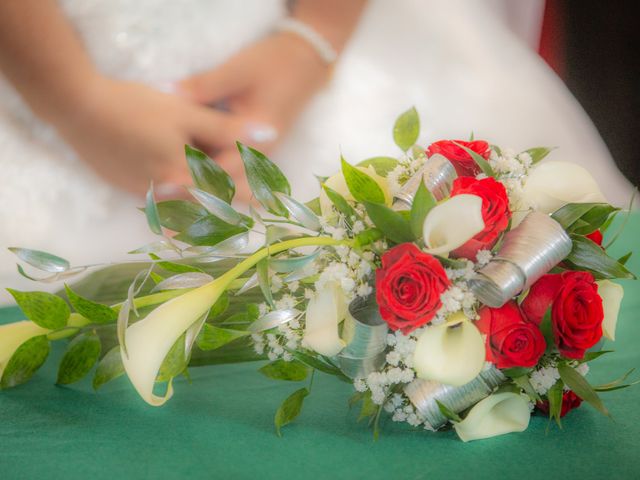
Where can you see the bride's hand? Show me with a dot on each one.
(131, 134)
(269, 82)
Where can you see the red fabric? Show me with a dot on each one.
(552, 38)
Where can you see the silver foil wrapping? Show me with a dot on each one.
(438, 175)
(365, 335)
(424, 393)
(528, 252)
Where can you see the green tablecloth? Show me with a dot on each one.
(221, 426)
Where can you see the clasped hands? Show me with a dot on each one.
(131, 134)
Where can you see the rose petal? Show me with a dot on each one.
(452, 353)
(324, 313)
(13, 335)
(551, 185)
(452, 223)
(497, 414)
(611, 294)
(148, 341)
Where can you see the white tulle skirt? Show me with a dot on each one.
(459, 62)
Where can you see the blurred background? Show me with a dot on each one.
(98, 97)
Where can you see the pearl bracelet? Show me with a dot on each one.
(320, 44)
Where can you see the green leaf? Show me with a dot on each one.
(538, 153)
(25, 361)
(262, 269)
(211, 338)
(43, 309)
(362, 186)
(264, 178)
(368, 409)
(616, 384)
(546, 327)
(367, 237)
(299, 212)
(208, 176)
(177, 215)
(314, 205)
(319, 365)
(587, 255)
(355, 398)
(589, 356)
(480, 161)
(583, 218)
(524, 383)
(406, 129)
(109, 368)
(382, 165)
(221, 306)
(41, 260)
(516, 372)
(81, 355)
(151, 212)
(175, 362)
(340, 203)
(173, 266)
(554, 395)
(209, 230)
(581, 388)
(216, 206)
(447, 412)
(293, 371)
(394, 226)
(625, 258)
(96, 312)
(290, 409)
(423, 202)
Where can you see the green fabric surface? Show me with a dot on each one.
(221, 426)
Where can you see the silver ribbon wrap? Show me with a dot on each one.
(365, 335)
(424, 393)
(438, 175)
(528, 252)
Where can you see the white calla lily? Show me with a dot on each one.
(13, 335)
(452, 223)
(551, 185)
(452, 353)
(324, 313)
(338, 184)
(611, 294)
(497, 414)
(148, 341)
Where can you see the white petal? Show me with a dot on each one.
(324, 313)
(495, 415)
(13, 335)
(551, 185)
(452, 223)
(451, 353)
(148, 341)
(611, 294)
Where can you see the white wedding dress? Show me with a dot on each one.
(467, 65)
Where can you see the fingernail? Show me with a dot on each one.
(261, 132)
(167, 190)
(167, 87)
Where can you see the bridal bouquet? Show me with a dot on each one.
(459, 286)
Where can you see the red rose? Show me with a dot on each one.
(408, 287)
(511, 340)
(465, 165)
(576, 310)
(495, 213)
(569, 401)
(596, 237)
